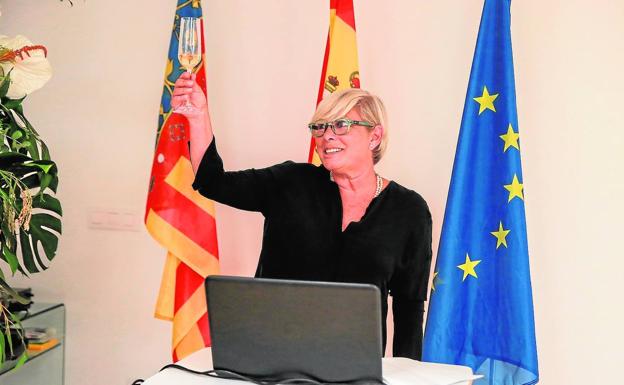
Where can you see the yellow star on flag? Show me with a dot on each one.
(433, 282)
(515, 189)
(510, 138)
(486, 101)
(500, 235)
(469, 267)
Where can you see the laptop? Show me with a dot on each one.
(283, 329)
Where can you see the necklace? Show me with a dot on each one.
(377, 189)
(379, 185)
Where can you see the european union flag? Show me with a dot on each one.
(481, 307)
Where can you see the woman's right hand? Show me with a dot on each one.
(187, 89)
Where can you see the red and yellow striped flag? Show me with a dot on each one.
(340, 64)
(180, 219)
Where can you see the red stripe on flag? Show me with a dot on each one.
(320, 94)
(187, 282)
(321, 90)
(187, 217)
(344, 10)
(204, 328)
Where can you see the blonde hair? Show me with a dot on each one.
(339, 103)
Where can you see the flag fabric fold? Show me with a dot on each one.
(177, 217)
(481, 307)
(340, 63)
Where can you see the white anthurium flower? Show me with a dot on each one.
(30, 70)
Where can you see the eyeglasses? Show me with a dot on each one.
(338, 126)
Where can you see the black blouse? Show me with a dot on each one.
(389, 247)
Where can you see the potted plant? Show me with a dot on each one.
(30, 215)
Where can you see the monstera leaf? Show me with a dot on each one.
(44, 231)
(30, 247)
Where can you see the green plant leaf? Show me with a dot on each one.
(4, 86)
(12, 293)
(49, 202)
(17, 134)
(10, 160)
(2, 344)
(35, 174)
(33, 181)
(27, 124)
(25, 144)
(8, 236)
(25, 164)
(16, 121)
(33, 150)
(21, 361)
(46, 179)
(13, 104)
(40, 234)
(9, 341)
(18, 323)
(44, 165)
(54, 184)
(11, 258)
(45, 153)
(9, 261)
(44, 230)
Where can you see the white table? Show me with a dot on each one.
(396, 371)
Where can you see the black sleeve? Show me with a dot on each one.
(408, 287)
(251, 190)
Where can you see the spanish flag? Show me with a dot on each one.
(340, 64)
(177, 217)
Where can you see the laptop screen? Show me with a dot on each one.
(280, 329)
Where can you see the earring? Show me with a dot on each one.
(371, 146)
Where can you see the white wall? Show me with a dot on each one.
(98, 115)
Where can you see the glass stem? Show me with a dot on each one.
(188, 100)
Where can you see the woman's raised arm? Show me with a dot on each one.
(187, 89)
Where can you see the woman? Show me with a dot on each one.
(339, 222)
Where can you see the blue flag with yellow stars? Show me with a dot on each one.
(481, 307)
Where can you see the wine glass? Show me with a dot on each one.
(189, 51)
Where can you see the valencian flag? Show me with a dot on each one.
(481, 307)
(340, 64)
(179, 218)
